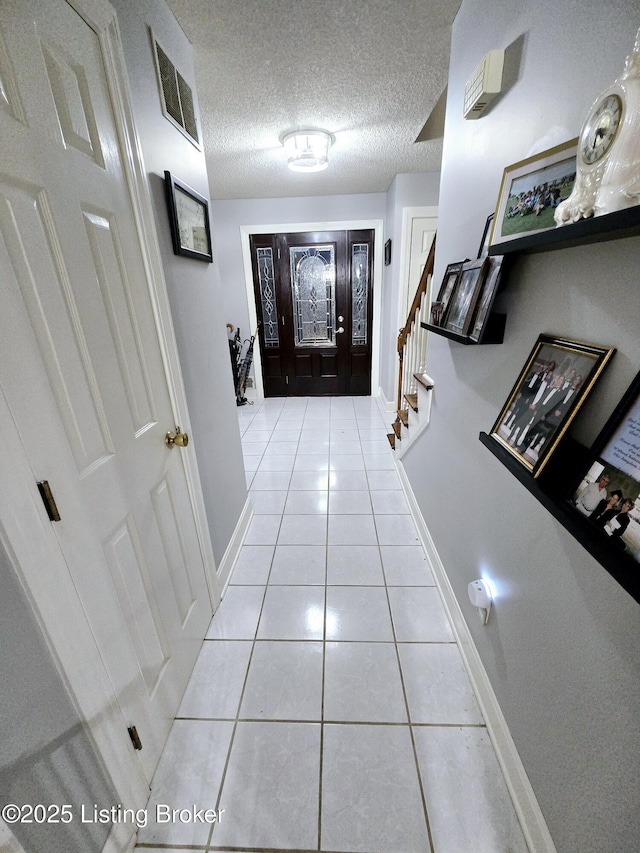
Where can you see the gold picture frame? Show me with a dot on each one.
(552, 386)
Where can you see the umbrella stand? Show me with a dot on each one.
(243, 371)
(235, 349)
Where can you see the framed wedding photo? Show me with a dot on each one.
(464, 298)
(440, 305)
(608, 492)
(531, 190)
(552, 386)
(489, 288)
(189, 220)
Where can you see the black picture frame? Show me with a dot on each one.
(387, 253)
(483, 251)
(189, 220)
(556, 379)
(441, 303)
(465, 297)
(612, 471)
(489, 287)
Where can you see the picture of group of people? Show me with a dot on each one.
(608, 498)
(542, 400)
(531, 192)
(535, 200)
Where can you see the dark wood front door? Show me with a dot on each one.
(314, 302)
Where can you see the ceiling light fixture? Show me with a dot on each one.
(307, 150)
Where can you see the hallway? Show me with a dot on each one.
(329, 709)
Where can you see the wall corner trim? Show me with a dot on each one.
(386, 406)
(228, 561)
(530, 815)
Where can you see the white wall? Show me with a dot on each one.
(195, 288)
(229, 216)
(562, 645)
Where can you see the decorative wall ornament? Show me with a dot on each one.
(608, 158)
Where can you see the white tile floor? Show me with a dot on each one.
(329, 709)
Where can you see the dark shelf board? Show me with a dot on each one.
(493, 333)
(551, 489)
(598, 229)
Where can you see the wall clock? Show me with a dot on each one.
(608, 158)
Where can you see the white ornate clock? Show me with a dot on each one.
(608, 158)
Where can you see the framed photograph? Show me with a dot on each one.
(530, 192)
(483, 251)
(387, 253)
(551, 388)
(609, 489)
(440, 305)
(437, 309)
(464, 298)
(189, 220)
(489, 288)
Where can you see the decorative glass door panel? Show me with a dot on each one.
(359, 293)
(313, 296)
(313, 282)
(266, 284)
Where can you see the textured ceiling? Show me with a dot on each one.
(368, 71)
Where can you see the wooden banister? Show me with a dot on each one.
(422, 287)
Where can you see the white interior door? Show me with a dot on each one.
(83, 374)
(419, 225)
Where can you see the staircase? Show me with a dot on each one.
(414, 386)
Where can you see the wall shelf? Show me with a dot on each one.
(493, 332)
(551, 489)
(598, 229)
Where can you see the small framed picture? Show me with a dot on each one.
(464, 298)
(489, 288)
(189, 220)
(608, 492)
(551, 388)
(436, 313)
(530, 192)
(449, 280)
(387, 253)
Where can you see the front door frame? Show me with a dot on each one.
(287, 228)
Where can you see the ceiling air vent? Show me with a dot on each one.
(176, 95)
(483, 85)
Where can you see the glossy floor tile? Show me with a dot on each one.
(329, 708)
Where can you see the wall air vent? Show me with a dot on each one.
(483, 85)
(176, 96)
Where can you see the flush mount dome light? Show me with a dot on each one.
(307, 150)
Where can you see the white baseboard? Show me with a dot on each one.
(531, 819)
(385, 405)
(227, 564)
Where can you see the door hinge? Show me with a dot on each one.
(135, 737)
(48, 500)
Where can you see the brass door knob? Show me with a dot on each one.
(177, 437)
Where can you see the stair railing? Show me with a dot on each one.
(412, 345)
